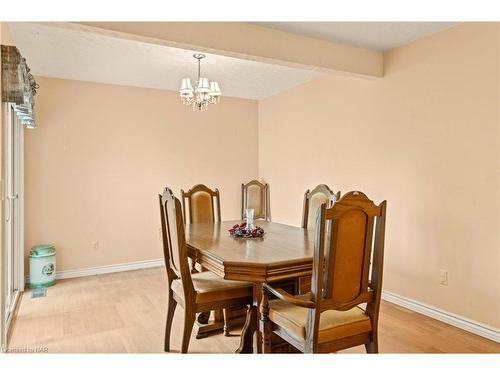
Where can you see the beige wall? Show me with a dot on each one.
(426, 138)
(102, 153)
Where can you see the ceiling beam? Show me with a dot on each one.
(245, 41)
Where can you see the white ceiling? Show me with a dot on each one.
(379, 36)
(69, 54)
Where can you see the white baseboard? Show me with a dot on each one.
(119, 267)
(99, 270)
(458, 321)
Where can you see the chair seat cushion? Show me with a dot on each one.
(212, 288)
(333, 324)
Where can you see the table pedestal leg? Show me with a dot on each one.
(203, 328)
(203, 317)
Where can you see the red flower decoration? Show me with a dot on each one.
(239, 230)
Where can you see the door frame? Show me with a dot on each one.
(15, 210)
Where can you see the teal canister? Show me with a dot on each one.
(42, 266)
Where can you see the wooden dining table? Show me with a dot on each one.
(284, 253)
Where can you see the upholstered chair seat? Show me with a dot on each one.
(333, 324)
(210, 287)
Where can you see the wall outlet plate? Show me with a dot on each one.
(443, 277)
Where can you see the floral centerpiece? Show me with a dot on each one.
(243, 230)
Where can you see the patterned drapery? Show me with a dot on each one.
(18, 85)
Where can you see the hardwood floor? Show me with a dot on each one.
(125, 313)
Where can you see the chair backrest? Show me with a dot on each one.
(348, 235)
(174, 241)
(203, 204)
(313, 199)
(254, 194)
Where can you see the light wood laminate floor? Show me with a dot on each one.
(125, 313)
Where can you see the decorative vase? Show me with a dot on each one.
(249, 216)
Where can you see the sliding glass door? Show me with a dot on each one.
(12, 213)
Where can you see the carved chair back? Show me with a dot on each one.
(313, 199)
(349, 248)
(203, 204)
(254, 194)
(174, 242)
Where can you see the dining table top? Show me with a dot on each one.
(283, 252)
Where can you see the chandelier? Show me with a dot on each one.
(203, 94)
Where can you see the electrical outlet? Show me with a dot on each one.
(443, 277)
(95, 245)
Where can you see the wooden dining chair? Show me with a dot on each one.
(203, 204)
(200, 204)
(313, 199)
(348, 248)
(196, 293)
(254, 194)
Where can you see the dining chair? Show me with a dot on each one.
(254, 194)
(203, 204)
(313, 199)
(347, 272)
(196, 293)
(200, 204)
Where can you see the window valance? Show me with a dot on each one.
(18, 85)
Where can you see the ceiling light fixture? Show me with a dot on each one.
(203, 94)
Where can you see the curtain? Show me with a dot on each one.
(18, 85)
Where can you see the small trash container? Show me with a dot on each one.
(42, 266)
